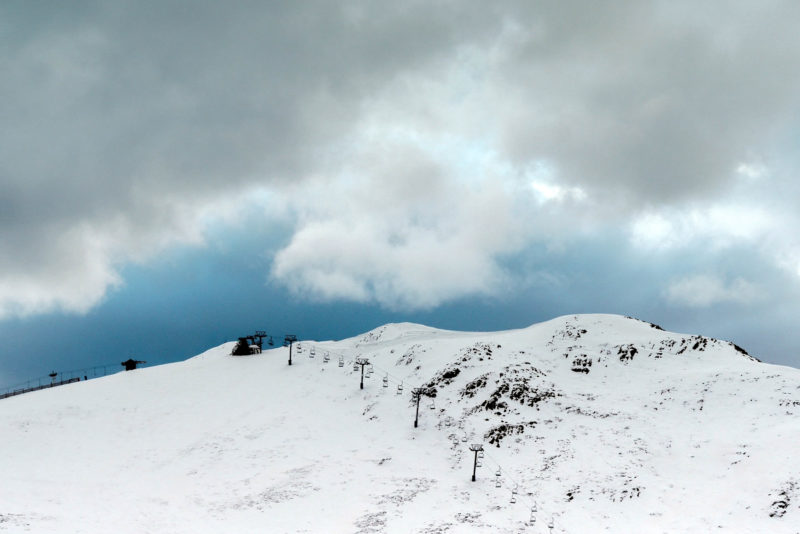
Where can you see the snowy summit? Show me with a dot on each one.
(587, 423)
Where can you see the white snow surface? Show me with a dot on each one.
(606, 423)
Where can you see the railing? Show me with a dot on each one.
(37, 388)
(66, 377)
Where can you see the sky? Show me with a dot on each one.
(176, 175)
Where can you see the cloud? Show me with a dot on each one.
(718, 228)
(716, 225)
(409, 137)
(652, 104)
(413, 241)
(702, 291)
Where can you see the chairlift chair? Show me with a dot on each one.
(513, 498)
(400, 388)
(464, 438)
(432, 405)
(386, 381)
(498, 473)
(498, 483)
(326, 357)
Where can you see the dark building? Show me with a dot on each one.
(131, 364)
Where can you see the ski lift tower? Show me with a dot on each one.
(362, 362)
(476, 448)
(287, 341)
(259, 338)
(417, 394)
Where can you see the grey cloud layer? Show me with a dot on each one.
(126, 122)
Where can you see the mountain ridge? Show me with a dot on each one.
(604, 423)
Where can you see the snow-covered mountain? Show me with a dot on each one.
(603, 423)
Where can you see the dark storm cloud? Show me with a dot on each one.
(656, 102)
(125, 124)
(191, 96)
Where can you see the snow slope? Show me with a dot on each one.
(607, 424)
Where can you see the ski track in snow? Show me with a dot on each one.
(607, 424)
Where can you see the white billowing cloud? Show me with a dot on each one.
(405, 234)
(717, 225)
(702, 291)
(75, 285)
(72, 268)
(409, 269)
(655, 231)
(550, 192)
(420, 207)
